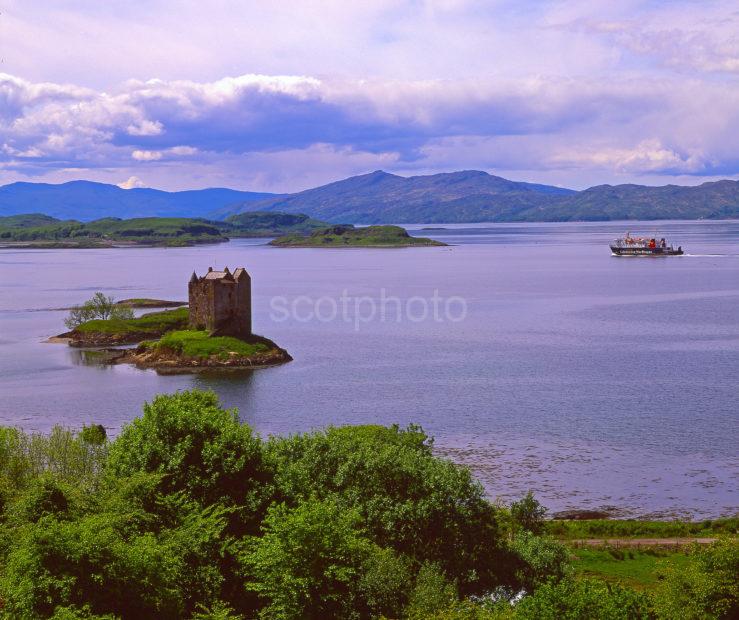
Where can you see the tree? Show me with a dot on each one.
(421, 506)
(528, 514)
(199, 449)
(309, 562)
(99, 306)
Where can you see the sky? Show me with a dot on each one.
(286, 95)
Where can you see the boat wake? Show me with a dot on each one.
(711, 255)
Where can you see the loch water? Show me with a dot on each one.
(595, 381)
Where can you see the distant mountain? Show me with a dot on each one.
(474, 196)
(715, 200)
(467, 196)
(85, 201)
(380, 197)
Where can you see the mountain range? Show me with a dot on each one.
(380, 197)
(85, 200)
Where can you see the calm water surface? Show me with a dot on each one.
(595, 381)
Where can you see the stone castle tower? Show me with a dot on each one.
(220, 302)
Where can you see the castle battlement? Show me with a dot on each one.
(220, 302)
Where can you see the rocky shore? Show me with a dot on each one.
(160, 358)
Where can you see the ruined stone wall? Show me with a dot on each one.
(201, 304)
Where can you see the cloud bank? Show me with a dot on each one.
(577, 94)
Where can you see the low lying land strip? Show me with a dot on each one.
(640, 542)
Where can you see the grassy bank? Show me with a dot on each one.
(616, 528)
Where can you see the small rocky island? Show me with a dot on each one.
(214, 332)
(343, 236)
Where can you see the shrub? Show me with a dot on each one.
(539, 560)
(586, 599)
(99, 306)
(706, 588)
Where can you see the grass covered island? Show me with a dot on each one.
(350, 237)
(106, 332)
(165, 342)
(189, 514)
(187, 349)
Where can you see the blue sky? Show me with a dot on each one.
(280, 96)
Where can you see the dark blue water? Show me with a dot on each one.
(595, 381)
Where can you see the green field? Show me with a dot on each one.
(637, 568)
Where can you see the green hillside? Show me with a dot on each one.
(108, 231)
(269, 224)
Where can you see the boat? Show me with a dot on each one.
(643, 246)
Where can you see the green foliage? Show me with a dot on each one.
(706, 588)
(384, 582)
(188, 514)
(539, 560)
(94, 434)
(615, 528)
(586, 599)
(197, 448)
(309, 562)
(62, 453)
(99, 307)
(146, 231)
(193, 343)
(269, 224)
(151, 324)
(45, 496)
(528, 514)
(423, 507)
(87, 562)
(432, 594)
(348, 236)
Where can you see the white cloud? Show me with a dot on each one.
(145, 128)
(141, 155)
(131, 183)
(182, 150)
(646, 157)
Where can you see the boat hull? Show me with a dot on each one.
(617, 251)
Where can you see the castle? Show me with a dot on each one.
(220, 302)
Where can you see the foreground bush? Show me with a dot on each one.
(189, 514)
